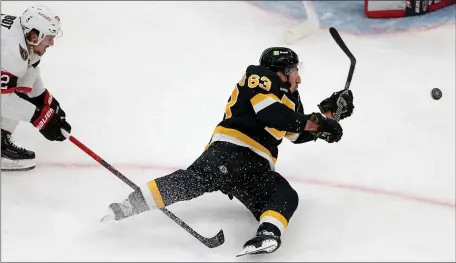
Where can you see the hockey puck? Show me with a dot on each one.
(436, 93)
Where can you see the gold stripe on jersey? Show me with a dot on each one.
(275, 133)
(261, 101)
(278, 135)
(156, 194)
(239, 138)
(289, 103)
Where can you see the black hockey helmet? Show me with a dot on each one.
(279, 59)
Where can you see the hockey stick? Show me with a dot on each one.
(305, 28)
(352, 58)
(212, 242)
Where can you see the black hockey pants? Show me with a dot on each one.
(235, 171)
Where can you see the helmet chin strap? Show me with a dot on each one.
(32, 44)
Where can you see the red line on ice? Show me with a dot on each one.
(311, 181)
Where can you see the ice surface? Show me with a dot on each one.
(144, 84)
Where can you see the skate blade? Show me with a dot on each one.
(17, 169)
(253, 250)
(8, 165)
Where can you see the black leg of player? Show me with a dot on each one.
(272, 201)
(212, 242)
(214, 170)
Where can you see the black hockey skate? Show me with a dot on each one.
(15, 158)
(264, 242)
(133, 205)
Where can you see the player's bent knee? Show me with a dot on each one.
(281, 204)
(293, 198)
(285, 199)
(294, 202)
(290, 199)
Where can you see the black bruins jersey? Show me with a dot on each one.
(262, 111)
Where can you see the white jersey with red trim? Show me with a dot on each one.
(18, 71)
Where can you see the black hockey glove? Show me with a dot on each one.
(329, 130)
(330, 104)
(49, 118)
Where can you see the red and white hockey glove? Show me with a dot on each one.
(49, 118)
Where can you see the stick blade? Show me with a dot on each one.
(216, 240)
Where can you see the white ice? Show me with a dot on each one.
(145, 83)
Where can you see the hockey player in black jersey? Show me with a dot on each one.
(239, 159)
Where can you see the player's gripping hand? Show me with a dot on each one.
(49, 119)
(328, 130)
(346, 100)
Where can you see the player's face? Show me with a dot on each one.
(40, 49)
(294, 78)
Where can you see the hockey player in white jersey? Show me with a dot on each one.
(24, 40)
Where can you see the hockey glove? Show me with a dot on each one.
(329, 129)
(330, 104)
(50, 118)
